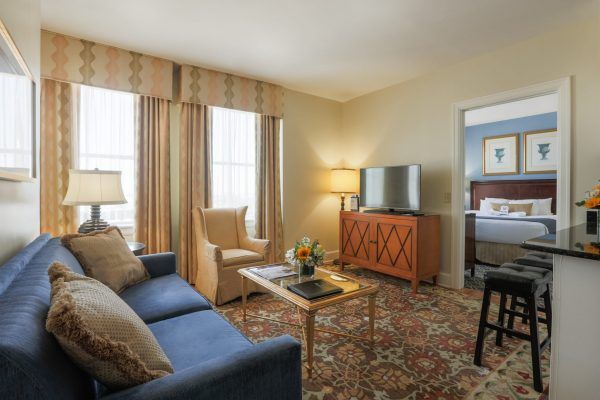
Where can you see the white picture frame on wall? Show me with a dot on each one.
(541, 151)
(501, 155)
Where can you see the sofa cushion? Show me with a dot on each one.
(32, 364)
(105, 256)
(193, 338)
(163, 297)
(239, 257)
(101, 333)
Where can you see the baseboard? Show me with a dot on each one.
(331, 255)
(445, 280)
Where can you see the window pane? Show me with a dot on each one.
(234, 160)
(15, 123)
(106, 141)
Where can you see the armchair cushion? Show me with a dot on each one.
(221, 227)
(233, 257)
(194, 338)
(163, 297)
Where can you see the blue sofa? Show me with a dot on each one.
(212, 360)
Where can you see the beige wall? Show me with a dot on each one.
(311, 146)
(20, 202)
(412, 122)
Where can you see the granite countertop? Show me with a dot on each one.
(577, 241)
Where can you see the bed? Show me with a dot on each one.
(497, 239)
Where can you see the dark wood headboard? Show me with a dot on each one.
(513, 189)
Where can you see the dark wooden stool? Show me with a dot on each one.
(536, 259)
(530, 284)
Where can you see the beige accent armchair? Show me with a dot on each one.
(222, 247)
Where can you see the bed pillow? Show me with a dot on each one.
(540, 206)
(105, 256)
(485, 205)
(100, 333)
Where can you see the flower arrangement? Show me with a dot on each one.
(592, 199)
(306, 255)
(592, 247)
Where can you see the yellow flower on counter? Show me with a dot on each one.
(592, 202)
(592, 199)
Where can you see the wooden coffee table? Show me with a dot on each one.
(307, 309)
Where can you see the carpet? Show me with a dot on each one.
(476, 282)
(424, 345)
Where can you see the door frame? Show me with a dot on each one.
(562, 87)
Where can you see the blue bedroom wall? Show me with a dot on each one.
(474, 136)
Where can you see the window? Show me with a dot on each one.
(234, 161)
(107, 142)
(15, 124)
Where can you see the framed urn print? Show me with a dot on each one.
(541, 151)
(501, 154)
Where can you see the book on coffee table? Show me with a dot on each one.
(314, 289)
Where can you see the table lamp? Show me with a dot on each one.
(94, 188)
(343, 181)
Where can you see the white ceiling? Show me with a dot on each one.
(514, 109)
(337, 49)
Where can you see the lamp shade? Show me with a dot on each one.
(343, 180)
(94, 187)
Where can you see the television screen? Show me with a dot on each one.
(391, 187)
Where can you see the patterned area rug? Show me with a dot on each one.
(476, 282)
(424, 346)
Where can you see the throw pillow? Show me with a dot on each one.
(521, 207)
(105, 256)
(101, 333)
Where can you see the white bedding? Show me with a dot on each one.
(509, 231)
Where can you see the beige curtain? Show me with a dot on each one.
(153, 198)
(268, 185)
(56, 158)
(194, 179)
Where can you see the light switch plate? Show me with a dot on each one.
(447, 197)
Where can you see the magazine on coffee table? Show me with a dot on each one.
(273, 271)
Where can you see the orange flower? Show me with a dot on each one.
(592, 202)
(303, 253)
(590, 248)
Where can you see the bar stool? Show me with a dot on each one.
(530, 284)
(536, 259)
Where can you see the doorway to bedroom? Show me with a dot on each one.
(510, 176)
(511, 153)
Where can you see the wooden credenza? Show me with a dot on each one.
(400, 245)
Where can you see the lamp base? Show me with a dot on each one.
(95, 223)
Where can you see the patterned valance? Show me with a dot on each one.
(80, 61)
(214, 88)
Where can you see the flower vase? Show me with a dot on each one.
(593, 222)
(307, 270)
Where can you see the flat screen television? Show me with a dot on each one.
(394, 188)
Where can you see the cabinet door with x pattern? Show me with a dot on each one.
(355, 238)
(395, 244)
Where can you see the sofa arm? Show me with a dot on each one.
(270, 370)
(159, 264)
